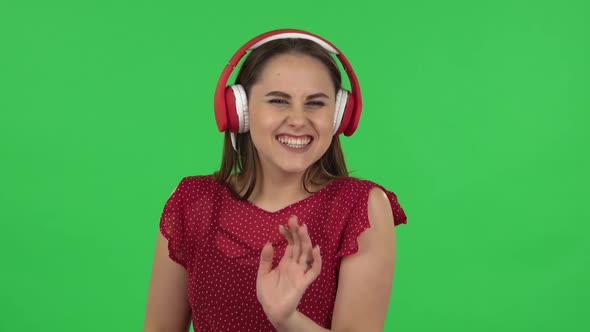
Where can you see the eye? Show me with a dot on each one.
(278, 101)
(316, 103)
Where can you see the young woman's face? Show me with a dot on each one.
(291, 113)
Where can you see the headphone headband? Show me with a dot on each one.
(219, 98)
(324, 43)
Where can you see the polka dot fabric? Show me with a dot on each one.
(218, 239)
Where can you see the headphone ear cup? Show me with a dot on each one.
(344, 105)
(237, 108)
(351, 117)
(231, 116)
(339, 111)
(241, 108)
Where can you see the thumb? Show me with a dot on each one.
(266, 259)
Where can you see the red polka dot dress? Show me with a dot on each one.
(218, 239)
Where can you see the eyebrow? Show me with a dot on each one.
(287, 96)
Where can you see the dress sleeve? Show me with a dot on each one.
(358, 220)
(172, 224)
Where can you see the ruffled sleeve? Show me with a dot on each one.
(172, 224)
(358, 219)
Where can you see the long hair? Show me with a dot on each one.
(238, 169)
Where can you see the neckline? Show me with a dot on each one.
(283, 209)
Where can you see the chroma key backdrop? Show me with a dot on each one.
(475, 113)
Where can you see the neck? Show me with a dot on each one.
(274, 190)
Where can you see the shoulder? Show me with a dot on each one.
(195, 185)
(197, 181)
(380, 209)
(369, 197)
(354, 182)
(359, 188)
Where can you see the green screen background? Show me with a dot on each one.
(475, 115)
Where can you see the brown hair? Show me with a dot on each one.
(243, 164)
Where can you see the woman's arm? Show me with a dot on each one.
(365, 279)
(167, 307)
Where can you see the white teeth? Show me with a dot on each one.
(294, 142)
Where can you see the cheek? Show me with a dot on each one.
(327, 122)
(258, 116)
(262, 123)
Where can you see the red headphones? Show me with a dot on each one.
(231, 104)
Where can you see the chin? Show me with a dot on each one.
(293, 167)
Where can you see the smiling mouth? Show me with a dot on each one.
(295, 143)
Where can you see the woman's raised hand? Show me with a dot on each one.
(279, 290)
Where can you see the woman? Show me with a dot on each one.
(280, 238)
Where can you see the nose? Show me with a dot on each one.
(297, 116)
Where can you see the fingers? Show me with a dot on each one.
(287, 234)
(299, 248)
(306, 254)
(266, 259)
(316, 267)
(294, 228)
(290, 233)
